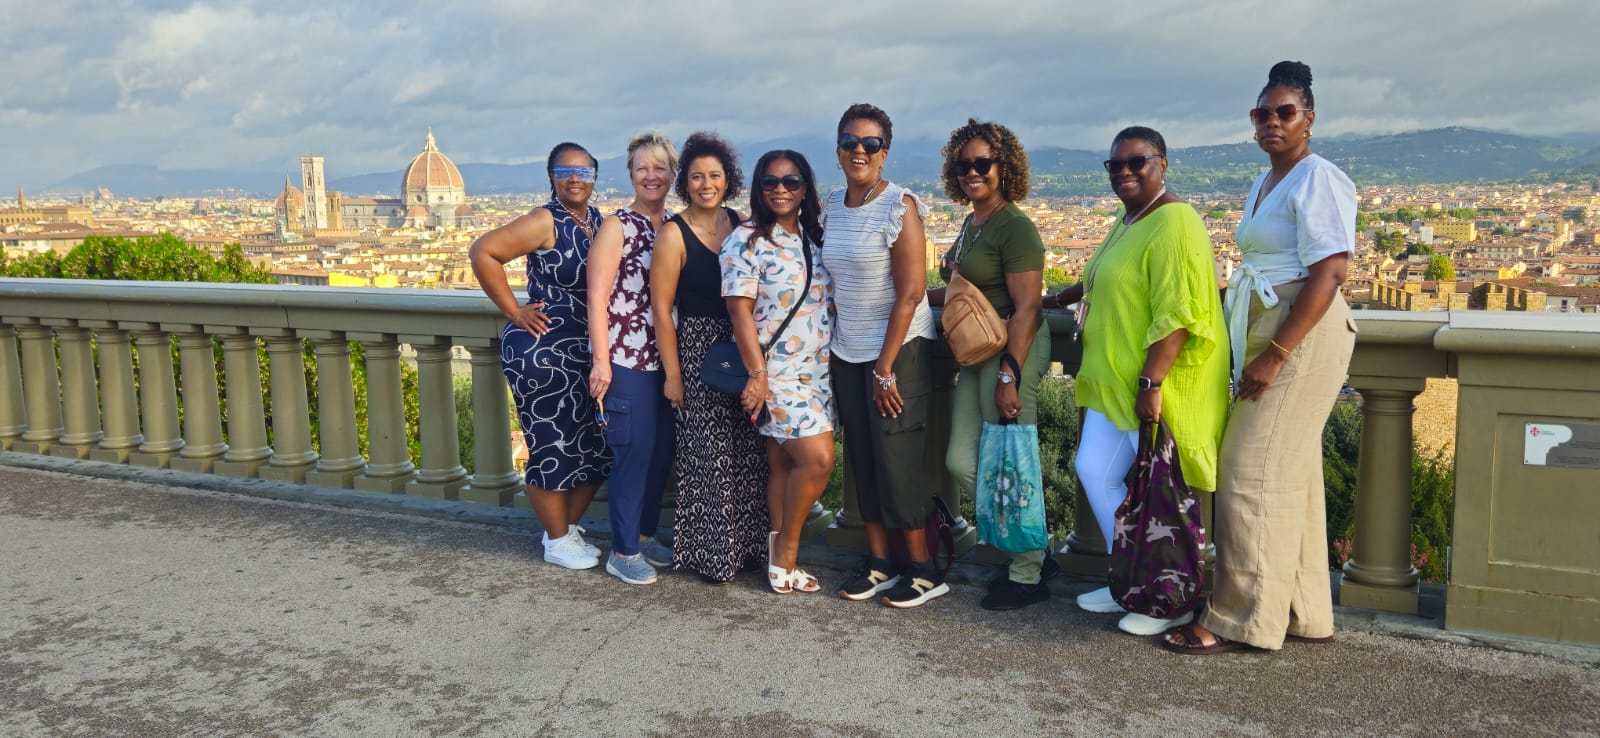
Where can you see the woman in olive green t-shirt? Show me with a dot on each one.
(1000, 253)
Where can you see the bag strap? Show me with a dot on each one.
(947, 539)
(805, 246)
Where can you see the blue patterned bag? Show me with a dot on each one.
(1010, 488)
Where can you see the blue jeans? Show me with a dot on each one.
(641, 434)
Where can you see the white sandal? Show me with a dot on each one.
(780, 579)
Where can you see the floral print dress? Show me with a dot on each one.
(772, 272)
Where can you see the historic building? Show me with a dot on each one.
(25, 213)
(432, 196)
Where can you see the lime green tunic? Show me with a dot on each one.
(1151, 280)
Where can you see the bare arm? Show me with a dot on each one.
(490, 253)
(605, 256)
(908, 263)
(665, 266)
(1321, 287)
(1024, 288)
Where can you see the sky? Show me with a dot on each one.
(250, 85)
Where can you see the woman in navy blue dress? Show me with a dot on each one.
(544, 350)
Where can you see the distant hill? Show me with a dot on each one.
(1444, 155)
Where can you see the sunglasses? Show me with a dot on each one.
(981, 165)
(870, 144)
(790, 182)
(1133, 164)
(1285, 113)
(584, 174)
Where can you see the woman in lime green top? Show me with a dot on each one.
(1154, 343)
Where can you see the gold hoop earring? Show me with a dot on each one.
(1308, 134)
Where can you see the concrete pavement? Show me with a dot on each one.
(133, 609)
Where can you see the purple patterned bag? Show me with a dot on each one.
(1158, 557)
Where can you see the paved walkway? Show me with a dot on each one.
(130, 609)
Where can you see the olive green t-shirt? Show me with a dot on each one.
(1007, 244)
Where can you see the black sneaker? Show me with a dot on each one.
(1047, 571)
(918, 585)
(874, 576)
(1009, 595)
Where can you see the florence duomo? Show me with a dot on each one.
(433, 196)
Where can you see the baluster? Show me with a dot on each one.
(390, 467)
(336, 413)
(41, 387)
(494, 478)
(13, 411)
(292, 456)
(202, 403)
(247, 416)
(1379, 574)
(441, 475)
(158, 397)
(117, 398)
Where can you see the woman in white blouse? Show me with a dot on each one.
(875, 250)
(1292, 337)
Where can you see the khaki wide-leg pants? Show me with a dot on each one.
(1270, 527)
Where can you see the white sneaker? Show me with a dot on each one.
(569, 551)
(1144, 625)
(1099, 600)
(587, 546)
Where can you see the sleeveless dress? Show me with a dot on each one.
(549, 374)
(721, 520)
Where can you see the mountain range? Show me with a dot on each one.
(1444, 155)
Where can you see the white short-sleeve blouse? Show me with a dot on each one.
(856, 246)
(1308, 217)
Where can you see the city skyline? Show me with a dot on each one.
(213, 87)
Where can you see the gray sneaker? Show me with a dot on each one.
(655, 552)
(631, 569)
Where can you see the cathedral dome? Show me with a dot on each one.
(291, 196)
(431, 169)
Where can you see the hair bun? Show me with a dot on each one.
(1290, 74)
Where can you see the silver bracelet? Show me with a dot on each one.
(884, 382)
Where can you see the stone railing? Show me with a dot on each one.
(68, 388)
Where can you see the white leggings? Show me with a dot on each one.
(1105, 455)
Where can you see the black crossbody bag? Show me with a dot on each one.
(723, 369)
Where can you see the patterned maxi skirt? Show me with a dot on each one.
(721, 523)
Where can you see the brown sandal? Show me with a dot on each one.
(1191, 644)
(1292, 638)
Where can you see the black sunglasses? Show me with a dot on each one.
(981, 165)
(870, 144)
(1133, 164)
(1285, 113)
(790, 182)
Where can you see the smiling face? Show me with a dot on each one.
(859, 166)
(707, 182)
(784, 202)
(652, 177)
(572, 190)
(979, 187)
(1137, 188)
(1277, 136)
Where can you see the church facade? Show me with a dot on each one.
(432, 196)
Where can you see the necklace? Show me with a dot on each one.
(1081, 312)
(585, 223)
(870, 192)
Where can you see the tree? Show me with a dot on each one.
(1057, 279)
(1575, 215)
(1406, 215)
(1389, 242)
(1501, 230)
(1418, 249)
(1439, 267)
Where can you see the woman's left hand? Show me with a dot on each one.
(1005, 401)
(888, 399)
(1147, 406)
(599, 379)
(1259, 374)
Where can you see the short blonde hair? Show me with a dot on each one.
(657, 142)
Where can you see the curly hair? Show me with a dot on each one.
(555, 153)
(1293, 75)
(699, 145)
(867, 111)
(1008, 152)
(761, 216)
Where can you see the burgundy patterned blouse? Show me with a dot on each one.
(632, 331)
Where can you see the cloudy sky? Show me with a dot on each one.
(250, 85)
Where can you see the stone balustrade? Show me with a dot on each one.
(69, 388)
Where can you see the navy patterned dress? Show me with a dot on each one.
(549, 374)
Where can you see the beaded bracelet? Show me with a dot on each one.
(884, 382)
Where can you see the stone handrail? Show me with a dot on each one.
(87, 404)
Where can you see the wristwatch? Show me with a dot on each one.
(1006, 378)
(1146, 383)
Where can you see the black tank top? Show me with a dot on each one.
(700, 281)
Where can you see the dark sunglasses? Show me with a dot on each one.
(1133, 164)
(870, 144)
(981, 165)
(790, 182)
(1285, 113)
